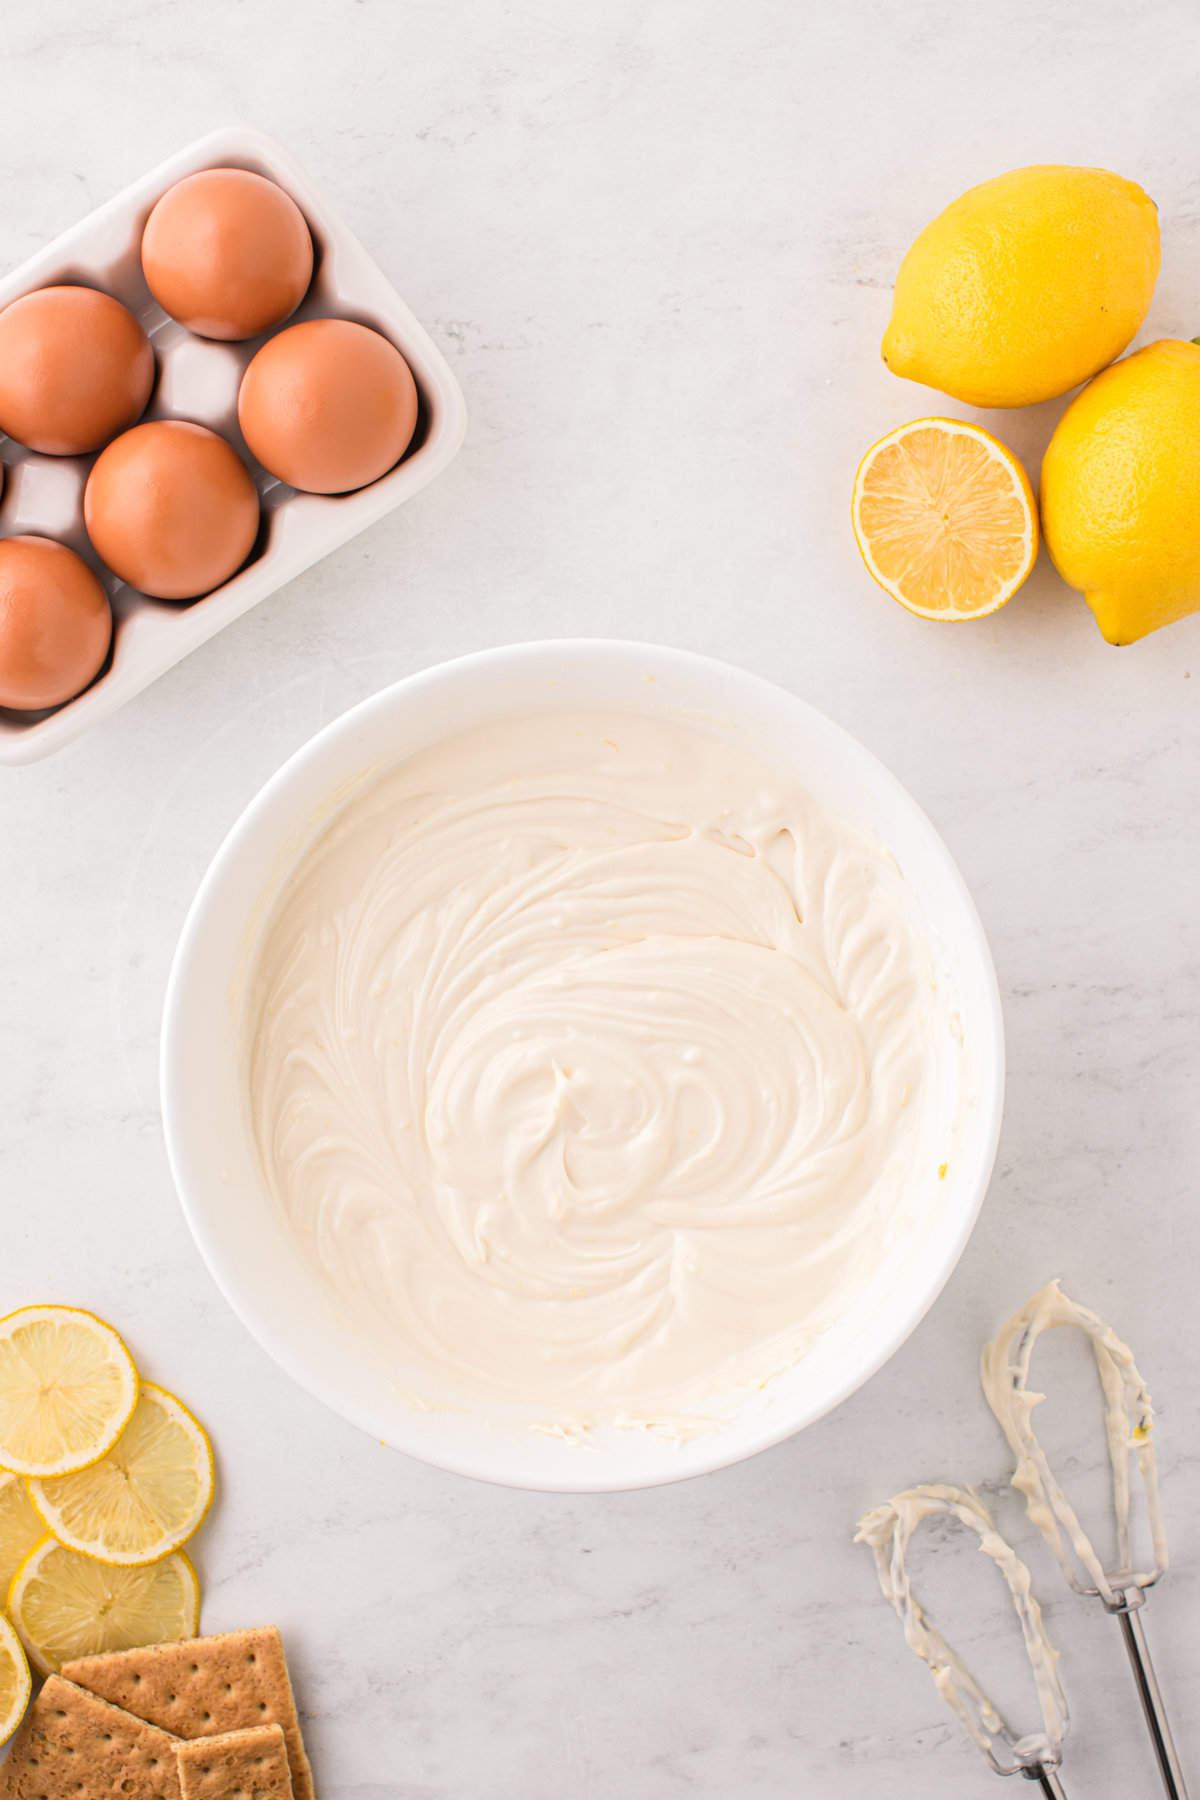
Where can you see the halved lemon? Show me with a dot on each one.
(68, 1388)
(16, 1683)
(21, 1527)
(65, 1605)
(145, 1498)
(945, 518)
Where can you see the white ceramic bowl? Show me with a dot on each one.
(246, 1241)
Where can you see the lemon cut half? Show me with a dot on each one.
(67, 1390)
(65, 1605)
(145, 1498)
(945, 519)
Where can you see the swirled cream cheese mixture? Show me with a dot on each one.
(588, 1058)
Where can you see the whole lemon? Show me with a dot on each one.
(1025, 286)
(1120, 491)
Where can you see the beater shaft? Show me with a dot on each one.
(1130, 1620)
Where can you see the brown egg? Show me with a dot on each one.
(55, 623)
(171, 508)
(75, 368)
(328, 406)
(227, 253)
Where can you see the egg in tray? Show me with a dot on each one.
(196, 407)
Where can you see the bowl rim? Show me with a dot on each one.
(706, 1454)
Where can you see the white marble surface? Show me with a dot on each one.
(656, 240)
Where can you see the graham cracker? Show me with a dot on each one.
(75, 1744)
(205, 1686)
(236, 1765)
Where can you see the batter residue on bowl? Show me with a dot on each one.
(589, 1059)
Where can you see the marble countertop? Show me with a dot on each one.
(656, 239)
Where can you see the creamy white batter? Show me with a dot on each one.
(590, 1059)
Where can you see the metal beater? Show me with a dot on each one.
(1129, 1423)
(887, 1530)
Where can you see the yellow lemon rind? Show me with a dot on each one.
(1025, 285)
(7, 1480)
(1001, 453)
(52, 1519)
(36, 1656)
(11, 1642)
(1119, 491)
(20, 1466)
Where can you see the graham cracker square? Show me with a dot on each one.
(205, 1686)
(236, 1765)
(73, 1744)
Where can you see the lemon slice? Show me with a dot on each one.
(945, 519)
(145, 1498)
(65, 1605)
(15, 1681)
(21, 1527)
(67, 1389)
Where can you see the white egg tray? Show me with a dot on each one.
(198, 380)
